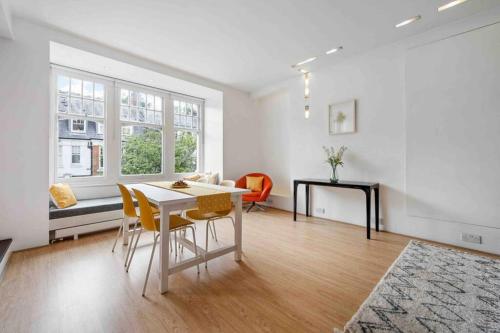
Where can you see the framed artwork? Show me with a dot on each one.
(342, 117)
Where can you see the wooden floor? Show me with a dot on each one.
(309, 276)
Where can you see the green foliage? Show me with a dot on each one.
(142, 153)
(185, 152)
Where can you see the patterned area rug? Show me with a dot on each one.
(432, 289)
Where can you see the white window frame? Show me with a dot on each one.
(199, 131)
(54, 135)
(163, 127)
(112, 130)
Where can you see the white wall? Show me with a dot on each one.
(24, 92)
(376, 152)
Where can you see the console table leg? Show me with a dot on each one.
(295, 185)
(377, 200)
(307, 200)
(368, 212)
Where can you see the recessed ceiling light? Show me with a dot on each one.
(408, 21)
(305, 62)
(334, 50)
(450, 4)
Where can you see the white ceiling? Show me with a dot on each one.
(248, 44)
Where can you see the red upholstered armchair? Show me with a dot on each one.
(255, 197)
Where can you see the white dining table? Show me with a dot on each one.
(170, 201)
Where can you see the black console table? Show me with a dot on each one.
(363, 186)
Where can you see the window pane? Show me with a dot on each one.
(141, 151)
(88, 89)
(189, 110)
(99, 92)
(158, 103)
(151, 117)
(183, 108)
(158, 118)
(150, 102)
(142, 100)
(177, 121)
(62, 104)
(133, 114)
(76, 87)
(87, 107)
(98, 109)
(189, 122)
(133, 98)
(186, 151)
(195, 110)
(195, 123)
(124, 113)
(124, 97)
(176, 107)
(141, 115)
(76, 106)
(80, 148)
(63, 85)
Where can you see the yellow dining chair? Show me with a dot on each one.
(211, 208)
(129, 212)
(152, 223)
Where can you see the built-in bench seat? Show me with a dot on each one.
(86, 216)
(88, 206)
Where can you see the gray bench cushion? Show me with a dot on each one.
(88, 206)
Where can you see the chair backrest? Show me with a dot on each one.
(214, 203)
(128, 203)
(267, 183)
(147, 218)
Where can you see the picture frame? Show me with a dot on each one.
(342, 117)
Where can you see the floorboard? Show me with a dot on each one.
(309, 276)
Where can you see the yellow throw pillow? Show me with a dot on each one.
(62, 195)
(255, 183)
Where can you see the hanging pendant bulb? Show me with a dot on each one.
(306, 95)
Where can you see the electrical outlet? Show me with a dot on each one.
(320, 210)
(471, 238)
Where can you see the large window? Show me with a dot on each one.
(187, 136)
(141, 118)
(80, 113)
(107, 130)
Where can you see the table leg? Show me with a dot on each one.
(164, 247)
(368, 212)
(377, 219)
(238, 226)
(125, 225)
(307, 199)
(295, 185)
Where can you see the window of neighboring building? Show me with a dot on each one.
(78, 126)
(75, 155)
(141, 118)
(80, 115)
(187, 135)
